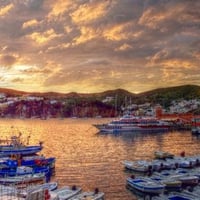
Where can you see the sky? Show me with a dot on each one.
(91, 46)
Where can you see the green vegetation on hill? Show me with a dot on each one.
(164, 96)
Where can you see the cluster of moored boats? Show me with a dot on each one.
(168, 178)
(26, 175)
(130, 124)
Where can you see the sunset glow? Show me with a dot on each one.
(92, 45)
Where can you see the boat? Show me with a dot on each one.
(137, 166)
(67, 192)
(176, 196)
(41, 194)
(24, 170)
(23, 181)
(182, 196)
(170, 184)
(6, 190)
(147, 166)
(195, 129)
(129, 123)
(189, 180)
(96, 195)
(146, 185)
(39, 160)
(15, 146)
(34, 161)
(186, 178)
(11, 197)
(163, 155)
(51, 186)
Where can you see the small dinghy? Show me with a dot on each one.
(146, 185)
(23, 180)
(96, 195)
(137, 166)
(46, 186)
(67, 192)
(163, 155)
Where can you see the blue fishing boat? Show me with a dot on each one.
(30, 161)
(15, 146)
(146, 185)
(183, 196)
(23, 170)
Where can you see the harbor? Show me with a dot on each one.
(89, 159)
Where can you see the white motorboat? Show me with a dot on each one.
(67, 192)
(146, 185)
(96, 195)
(129, 124)
(138, 166)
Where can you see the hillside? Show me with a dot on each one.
(165, 95)
(106, 104)
(157, 95)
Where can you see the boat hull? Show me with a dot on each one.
(146, 186)
(133, 129)
(27, 150)
(23, 181)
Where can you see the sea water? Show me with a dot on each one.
(92, 160)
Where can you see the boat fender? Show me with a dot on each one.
(38, 162)
(197, 162)
(149, 171)
(161, 167)
(132, 176)
(13, 157)
(176, 165)
(190, 189)
(74, 187)
(96, 190)
(150, 167)
(182, 154)
(19, 162)
(47, 196)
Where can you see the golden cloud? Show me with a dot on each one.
(87, 33)
(124, 47)
(163, 59)
(44, 37)
(60, 6)
(89, 12)
(30, 23)
(155, 17)
(68, 29)
(121, 32)
(5, 10)
(151, 18)
(180, 63)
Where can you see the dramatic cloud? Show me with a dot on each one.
(93, 45)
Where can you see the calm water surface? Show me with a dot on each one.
(88, 159)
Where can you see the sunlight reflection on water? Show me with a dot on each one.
(88, 159)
